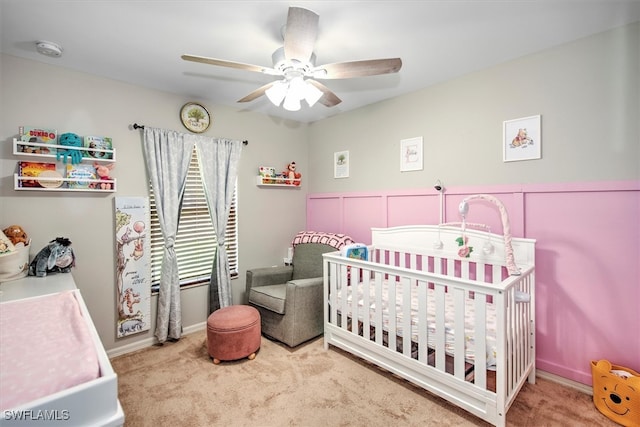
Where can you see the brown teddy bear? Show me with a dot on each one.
(16, 234)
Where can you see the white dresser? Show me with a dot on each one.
(92, 403)
(32, 286)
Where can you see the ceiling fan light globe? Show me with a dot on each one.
(291, 102)
(297, 87)
(276, 93)
(312, 94)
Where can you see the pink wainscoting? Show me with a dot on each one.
(587, 257)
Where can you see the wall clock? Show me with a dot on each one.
(195, 117)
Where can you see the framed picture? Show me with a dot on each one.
(411, 154)
(341, 164)
(195, 117)
(522, 139)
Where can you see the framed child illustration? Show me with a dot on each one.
(522, 139)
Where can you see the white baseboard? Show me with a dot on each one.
(139, 345)
(565, 382)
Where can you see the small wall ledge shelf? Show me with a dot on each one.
(17, 144)
(86, 184)
(58, 183)
(279, 181)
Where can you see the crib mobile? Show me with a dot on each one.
(487, 248)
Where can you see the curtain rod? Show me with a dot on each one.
(137, 126)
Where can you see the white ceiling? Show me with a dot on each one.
(140, 41)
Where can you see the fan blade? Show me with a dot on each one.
(230, 64)
(347, 70)
(256, 93)
(329, 99)
(300, 34)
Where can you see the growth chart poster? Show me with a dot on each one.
(133, 265)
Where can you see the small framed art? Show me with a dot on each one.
(341, 164)
(522, 139)
(411, 154)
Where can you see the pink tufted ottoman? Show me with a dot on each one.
(233, 333)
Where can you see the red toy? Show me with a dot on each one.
(292, 177)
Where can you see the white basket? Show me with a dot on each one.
(14, 265)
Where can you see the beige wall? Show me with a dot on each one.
(587, 93)
(36, 94)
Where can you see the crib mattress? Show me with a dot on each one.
(431, 317)
(46, 347)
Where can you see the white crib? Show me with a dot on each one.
(471, 324)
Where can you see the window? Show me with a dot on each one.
(195, 244)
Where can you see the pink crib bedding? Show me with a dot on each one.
(46, 347)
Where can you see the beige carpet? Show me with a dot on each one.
(177, 385)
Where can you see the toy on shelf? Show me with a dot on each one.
(70, 140)
(57, 256)
(103, 174)
(291, 176)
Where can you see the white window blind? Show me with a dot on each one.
(195, 244)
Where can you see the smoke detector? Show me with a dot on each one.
(51, 49)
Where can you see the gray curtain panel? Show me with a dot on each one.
(219, 161)
(167, 155)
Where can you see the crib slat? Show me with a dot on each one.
(407, 334)
(465, 267)
(440, 330)
(377, 311)
(459, 340)
(480, 333)
(333, 278)
(392, 316)
(437, 265)
(366, 307)
(496, 273)
(354, 282)
(511, 348)
(451, 267)
(423, 343)
(343, 289)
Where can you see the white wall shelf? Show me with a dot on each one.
(47, 152)
(57, 184)
(51, 150)
(277, 182)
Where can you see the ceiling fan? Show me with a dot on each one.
(295, 62)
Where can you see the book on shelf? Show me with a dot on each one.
(78, 176)
(32, 170)
(97, 143)
(37, 135)
(268, 174)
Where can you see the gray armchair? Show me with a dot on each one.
(289, 298)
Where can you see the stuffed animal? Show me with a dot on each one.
(57, 256)
(103, 174)
(292, 177)
(16, 234)
(70, 140)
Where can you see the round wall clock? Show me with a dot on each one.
(195, 117)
